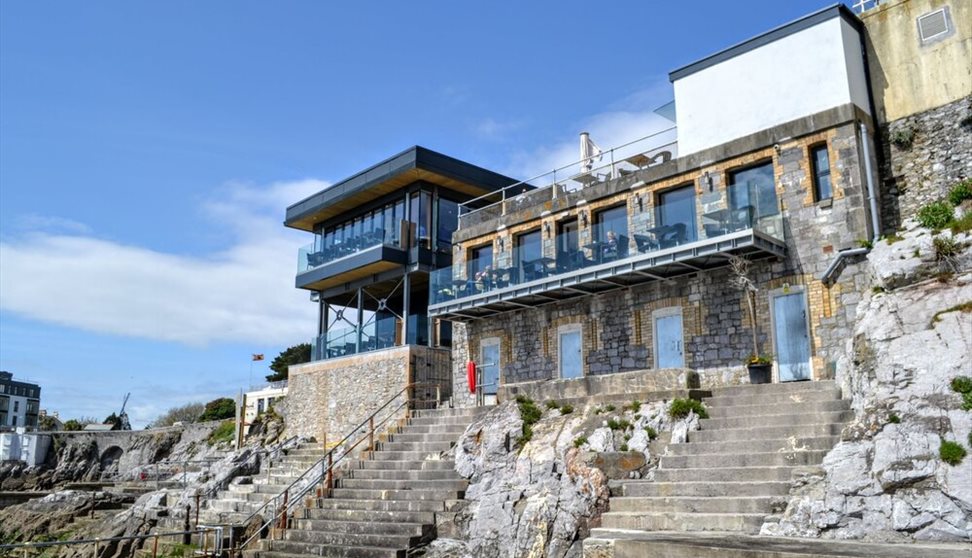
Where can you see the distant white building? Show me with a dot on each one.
(20, 446)
(19, 403)
(259, 400)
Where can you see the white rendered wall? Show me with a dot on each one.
(809, 71)
(252, 397)
(29, 448)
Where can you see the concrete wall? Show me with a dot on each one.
(800, 74)
(908, 77)
(617, 326)
(29, 448)
(330, 397)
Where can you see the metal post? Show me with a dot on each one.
(371, 434)
(330, 473)
(95, 555)
(613, 174)
(406, 304)
(185, 483)
(205, 535)
(359, 321)
(283, 515)
(155, 545)
(186, 537)
(197, 510)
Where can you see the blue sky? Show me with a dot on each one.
(148, 151)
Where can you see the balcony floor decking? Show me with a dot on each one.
(640, 268)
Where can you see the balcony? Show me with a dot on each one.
(614, 261)
(349, 258)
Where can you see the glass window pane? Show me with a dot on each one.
(754, 187)
(448, 222)
(676, 210)
(821, 173)
(480, 259)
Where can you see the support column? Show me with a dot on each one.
(406, 304)
(359, 320)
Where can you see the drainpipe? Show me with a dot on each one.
(829, 276)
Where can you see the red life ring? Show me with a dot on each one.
(471, 376)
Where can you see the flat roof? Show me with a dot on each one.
(785, 30)
(415, 163)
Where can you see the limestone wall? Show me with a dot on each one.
(923, 169)
(330, 397)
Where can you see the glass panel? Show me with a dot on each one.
(527, 257)
(413, 217)
(425, 221)
(675, 217)
(448, 222)
(569, 255)
(756, 188)
(610, 235)
(489, 367)
(571, 365)
(480, 267)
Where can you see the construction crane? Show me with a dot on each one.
(122, 417)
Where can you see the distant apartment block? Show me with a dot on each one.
(19, 402)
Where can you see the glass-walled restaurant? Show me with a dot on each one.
(607, 236)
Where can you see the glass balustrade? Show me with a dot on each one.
(314, 255)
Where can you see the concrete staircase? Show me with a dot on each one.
(238, 501)
(736, 470)
(387, 504)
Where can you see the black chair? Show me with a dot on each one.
(674, 236)
(531, 271)
(713, 230)
(315, 259)
(645, 243)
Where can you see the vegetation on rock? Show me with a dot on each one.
(219, 409)
(680, 408)
(951, 452)
(529, 414)
(223, 433)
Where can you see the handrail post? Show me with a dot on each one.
(205, 535)
(371, 435)
(95, 554)
(330, 473)
(283, 516)
(197, 510)
(155, 545)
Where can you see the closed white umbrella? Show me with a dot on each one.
(588, 150)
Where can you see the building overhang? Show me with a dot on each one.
(366, 263)
(643, 268)
(414, 164)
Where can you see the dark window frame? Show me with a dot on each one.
(816, 173)
(731, 181)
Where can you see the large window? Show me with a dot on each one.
(527, 254)
(821, 173)
(421, 215)
(480, 261)
(568, 248)
(611, 233)
(448, 222)
(753, 190)
(676, 217)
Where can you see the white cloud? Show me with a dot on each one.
(50, 223)
(492, 129)
(244, 293)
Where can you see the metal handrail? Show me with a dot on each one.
(280, 511)
(217, 544)
(465, 207)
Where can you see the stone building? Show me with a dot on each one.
(785, 150)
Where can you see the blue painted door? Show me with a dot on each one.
(489, 367)
(571, 365)
(668, 342)
(792, 336)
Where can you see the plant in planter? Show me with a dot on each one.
(760, 365)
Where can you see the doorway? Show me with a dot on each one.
(791, 334)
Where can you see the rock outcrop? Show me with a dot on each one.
(885, 480)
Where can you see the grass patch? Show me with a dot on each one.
(618, 424)
(223, 433)
(936, 215)
(961, 384)
(651, 432)
(877, 289)
(962, 225)
(530, 414)
(624, 447)
(892, 238)
(680, 408)
(960, 192)
(634, 406)
(894, 419)
(580, 441)
(965, 307)
(951, 452)
(551, 405)
(864, 243)
(566, 409)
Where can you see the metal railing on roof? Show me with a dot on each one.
(627, 158)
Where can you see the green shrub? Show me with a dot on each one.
(680, 408)
(566, 409)
(892, 238)
(624, 447)
(962, 384)
(936, 215)
(219, 409)
(651, 432)
(609, 408)
(223, 433)
(864, 243)
(951, 452)
(529, 414)
(967, 401)
(960, 192)
(551, 404)
(963, 224)
(618, 424)
(903, 138)
(580, 441)
(894, 419)
(634, 406)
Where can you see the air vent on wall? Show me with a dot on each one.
(933, 25)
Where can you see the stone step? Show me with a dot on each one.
(295, 549)
(235, 506)
(324, 505)
(675, 521)
(429, 474)
(726, 474)
(704, 504)
(765, 432)
(277, 477)
(720, 460)
(833, 417)
(411, 495)
(644, 544)
(780, 408)
(412, 465)
(386, 540)
(352, 527)
(453, 412)
(770, 390)
(376, 516)
(406, 456)
(704, 489)
(432, 428)
(754, 446)
(318, 453)
(404, 484)
(416, 446)
(829, 394)
(434, 436)
(445, 421)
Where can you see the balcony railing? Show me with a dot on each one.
(722, 231)
(313, 256)
(616, 162)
